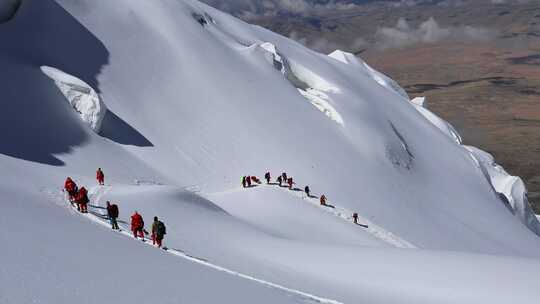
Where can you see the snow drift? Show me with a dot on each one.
(196, 106)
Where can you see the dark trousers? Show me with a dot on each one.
(114, 223)
(156, 240)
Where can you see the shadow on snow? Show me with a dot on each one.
(117, 130)
(38, 121)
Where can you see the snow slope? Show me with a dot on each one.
(191, 107)
(72, 261)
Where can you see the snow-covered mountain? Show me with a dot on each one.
(176, 101)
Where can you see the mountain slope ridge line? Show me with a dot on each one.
(346, 215)
(96, 191)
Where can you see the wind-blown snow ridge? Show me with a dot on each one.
(512, 187)
(97, 192)
(322, 102)
(379, 77)
(80, 96)
(281, 63)
(445, 127)
(309, 85)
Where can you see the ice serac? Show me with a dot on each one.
(309, 85)
(282, 64)
(80, 96)
(511, 187)
(379, 77)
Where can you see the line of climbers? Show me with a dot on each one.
(250, 181)
(79, 198)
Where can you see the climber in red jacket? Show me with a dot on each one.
(323, 200)
(71, 189)
(82, 200)
(137, 225)
(290, 182)
(100, 177)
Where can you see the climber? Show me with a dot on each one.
(323, 200)
(244, 181)
(82, 200)
(307, 190)
(137, 225)
(202, 21)
(355, 218)
(267, 177)
(112, 213)
(248, 179)
(255, 180)
(290, 182)
(158, 232)
(71, 189)
(280, 180)
(284, 177)
(100, 177)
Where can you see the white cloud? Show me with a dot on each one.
(429, 31)
(251, 8)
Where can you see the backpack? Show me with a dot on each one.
(114, 210)
(83, 196)
(160, 228)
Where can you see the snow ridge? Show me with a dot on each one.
(322, 102)
(97, 192)
(419, 103)
(372, 228)
(379, 77)
(511, 187)
(309, 85)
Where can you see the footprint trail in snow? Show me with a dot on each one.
(345, 214)
(374, 229)
(97, 192)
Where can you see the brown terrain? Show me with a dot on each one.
(486, 84)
